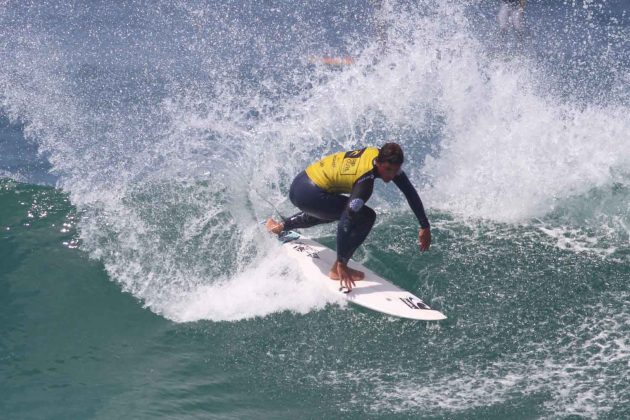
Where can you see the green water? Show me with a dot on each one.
(534, 331)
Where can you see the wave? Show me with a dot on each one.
(167, 126)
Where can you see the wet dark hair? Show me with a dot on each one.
(391, 153)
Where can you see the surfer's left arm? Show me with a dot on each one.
(404, 184)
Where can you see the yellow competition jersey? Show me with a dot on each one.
(338, 172)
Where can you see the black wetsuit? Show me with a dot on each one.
(355, 218)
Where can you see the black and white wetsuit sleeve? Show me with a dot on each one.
(351, 225)
(403, 183)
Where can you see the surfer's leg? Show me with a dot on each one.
(302, 220)
(350, 237)
(317, 205)
(356, 232)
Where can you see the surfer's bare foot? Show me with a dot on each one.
(273, 226)
(355, 275)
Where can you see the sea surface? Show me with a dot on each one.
(143, 142)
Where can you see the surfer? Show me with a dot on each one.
(317, 192)
(511, 10)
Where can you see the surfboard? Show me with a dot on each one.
(373, 292)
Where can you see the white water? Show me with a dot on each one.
(169, 171)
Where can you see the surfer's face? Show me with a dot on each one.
(387, 171)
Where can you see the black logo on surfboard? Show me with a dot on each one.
(305, 249)
(414, 303)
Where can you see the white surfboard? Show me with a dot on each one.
(373, 292)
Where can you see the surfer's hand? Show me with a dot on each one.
(424, 237)
(345, 279)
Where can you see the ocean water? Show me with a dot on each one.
(141, 143)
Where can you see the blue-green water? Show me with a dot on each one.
(141, 144)
(533, 331)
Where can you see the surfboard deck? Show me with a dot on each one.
(373, 292)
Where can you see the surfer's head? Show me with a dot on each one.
(389, 160)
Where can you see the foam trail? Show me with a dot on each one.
(268, 286)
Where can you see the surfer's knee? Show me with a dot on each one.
(368, 216)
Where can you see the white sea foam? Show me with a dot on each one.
(579, 373)
(577, 240)
(169, 181)
(268, 286)
(524, 155)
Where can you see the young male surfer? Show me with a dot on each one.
(317, 192)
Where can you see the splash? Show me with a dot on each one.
(167, 125)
